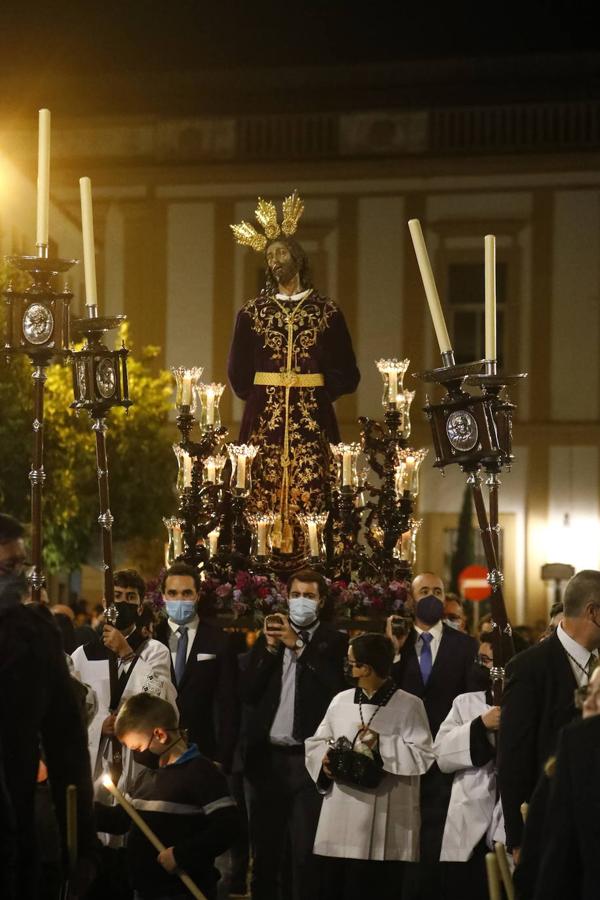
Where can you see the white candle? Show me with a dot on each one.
(405, 546)
(187, 470)
(211, 472)
(490, 296)
(186, 390)
(261, 538)
(347, 468)
(241, 472)
(213, 542)
(43, 177)
(148, 833)
(313, 541)
(177, 541)
(393, 376)
(409, 473)
(210, 406)
(87, 229)
(433, 299)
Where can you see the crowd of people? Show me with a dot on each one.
(305, 764)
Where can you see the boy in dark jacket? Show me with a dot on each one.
(182, 796)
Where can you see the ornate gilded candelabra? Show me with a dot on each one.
(389, 522)
(100, 384)
(37, 323)
(204, 506)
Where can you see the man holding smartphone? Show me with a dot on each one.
(295, 669)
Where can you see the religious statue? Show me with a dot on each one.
(291, 357)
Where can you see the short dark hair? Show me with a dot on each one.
(556, 608)
(129, 578)
(181, 568)
(581, 589)
(375, 650)
(10, 529)
(145, 711)
(308, 576)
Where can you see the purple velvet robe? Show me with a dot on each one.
(320, 343)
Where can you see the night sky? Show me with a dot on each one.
(56, 52)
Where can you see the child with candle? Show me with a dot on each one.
(183, 798)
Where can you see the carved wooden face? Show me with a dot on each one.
(281, 263)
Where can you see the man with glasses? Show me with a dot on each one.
(538, 699)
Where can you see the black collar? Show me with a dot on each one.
(381, 697)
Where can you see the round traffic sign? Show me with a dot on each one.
(473, 583)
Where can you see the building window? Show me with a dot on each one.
(466, 309)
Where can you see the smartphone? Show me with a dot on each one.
(274, 622)
(401, 625)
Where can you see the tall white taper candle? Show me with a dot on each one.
(490, 296)
(147, 831)
(89, 252)
(433, 299)
(43, 177)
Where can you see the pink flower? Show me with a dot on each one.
(224, 590)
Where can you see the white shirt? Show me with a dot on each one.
(293, 297)
(436, 633)
(283, 723)
(579, 657)
(192, 628)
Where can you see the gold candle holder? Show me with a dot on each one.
(406, 547)
(209, 397)
(346, 457)
(213, 467)
(241, 456)
(175, 543)
(262, 525)
(407, 471)
(312, 526)
(392, 371)
(185, 382)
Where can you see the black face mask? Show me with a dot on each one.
(146, 758)
(127, 615)
(350, 678)
(479, 678)
(429, 609)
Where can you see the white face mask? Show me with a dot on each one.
(304, 611)
(454, 623)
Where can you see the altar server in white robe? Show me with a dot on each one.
(466, 746)
(365, 834)
(139, 665)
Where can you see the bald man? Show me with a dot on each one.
(434, 662)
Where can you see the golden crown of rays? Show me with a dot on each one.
(246, 234)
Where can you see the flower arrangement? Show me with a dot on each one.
(244, 594)
(368, 598)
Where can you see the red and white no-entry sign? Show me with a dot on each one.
(473, 583)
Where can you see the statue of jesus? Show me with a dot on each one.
(291, 357)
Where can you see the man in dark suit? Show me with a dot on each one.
(571, 861)
(434, 662)
(38, 706)
(539, 698)
(204, 668)
(294, 670)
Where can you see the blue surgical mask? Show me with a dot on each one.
(303, 611)
(181, 611)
